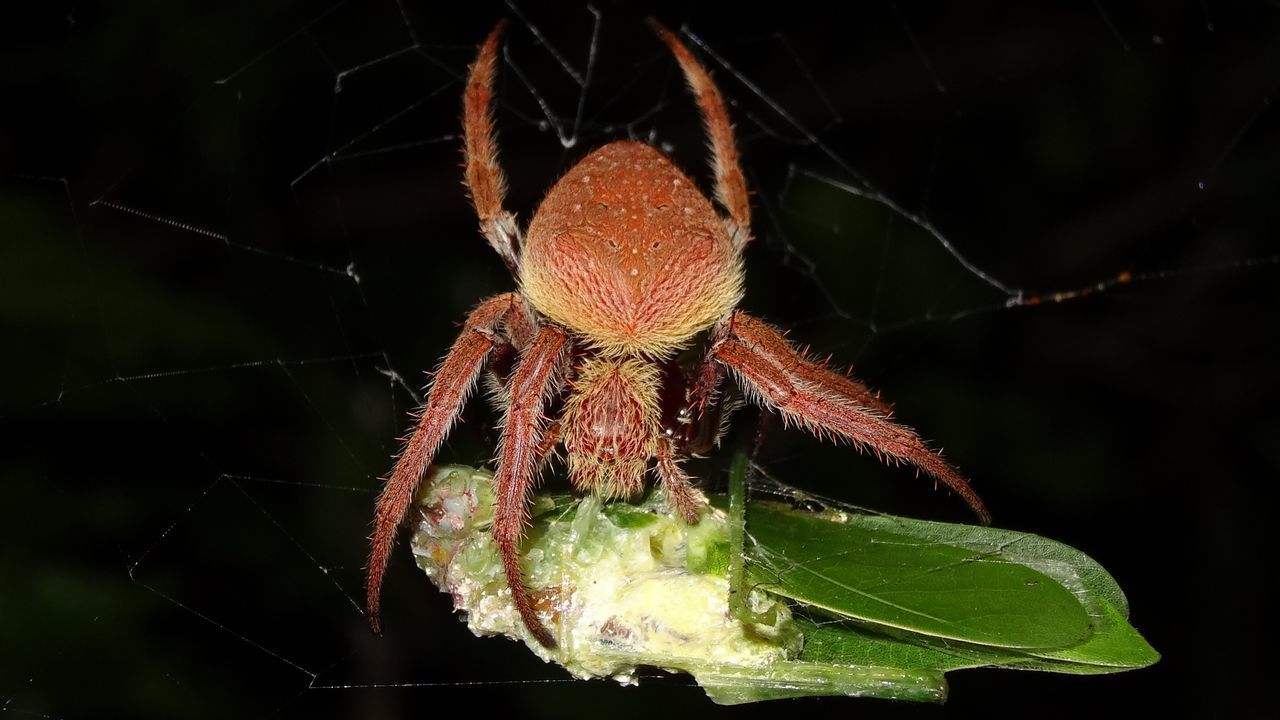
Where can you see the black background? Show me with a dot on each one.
(198, 329)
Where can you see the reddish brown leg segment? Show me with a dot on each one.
(774, 349)
(776, 376)
(484, 175)
(731, 185)
(449, 391)
(681, 495)
(705, 383)
(535, 378)
(547, 446)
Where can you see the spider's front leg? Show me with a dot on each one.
(824, 402)
(449, 391)
(684, 499)
(536, 378)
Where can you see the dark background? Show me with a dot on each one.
(202, 337)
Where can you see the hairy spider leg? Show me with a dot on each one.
(775, 376)
(683, 499)
(450, 388)
(537, 377)
(775, 345)
(731, 184)
(484, 176)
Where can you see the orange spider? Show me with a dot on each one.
(624, 264)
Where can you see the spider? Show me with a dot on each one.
(624, 265)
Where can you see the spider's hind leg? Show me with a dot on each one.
(484, 176)
(731, 184)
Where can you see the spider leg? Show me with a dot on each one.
(681, 495)
(537, 376)
(826, 403)
(484, 177)
(449, 391)
(547, 446)
(706, 381)
(700, 421)
(774, 346)
(731, 184)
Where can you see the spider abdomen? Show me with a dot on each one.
(627, 253)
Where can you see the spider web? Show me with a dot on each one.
(243, 236)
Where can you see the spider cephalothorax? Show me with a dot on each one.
(624, 264)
